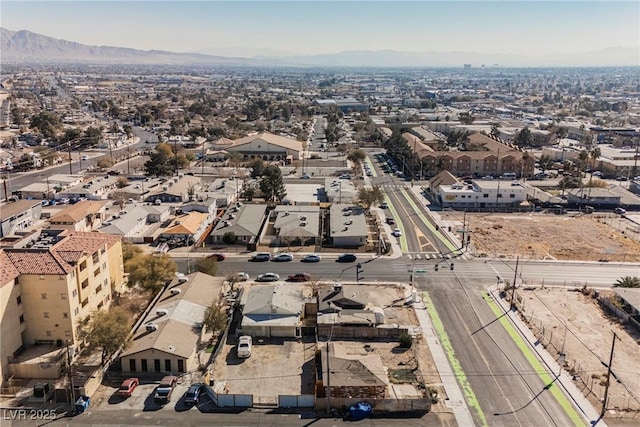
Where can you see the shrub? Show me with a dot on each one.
(405, 340)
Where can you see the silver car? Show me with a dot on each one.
(268, 277)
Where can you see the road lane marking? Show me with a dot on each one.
(534, 362)
(453, 361)
(403, 238)
(421, 215)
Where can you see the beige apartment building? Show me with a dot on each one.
(47, 291)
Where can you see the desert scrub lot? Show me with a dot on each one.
(547, 236)
(574, 321)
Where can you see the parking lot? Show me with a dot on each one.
(276, 366)
(107, 398)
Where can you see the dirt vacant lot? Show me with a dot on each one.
(547, 236)
(586, 340)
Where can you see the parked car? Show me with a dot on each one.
(284, 257)
(268, 277)
(299, 277)
(193, 394)
(621, 178)
(347, 258)
(261, 257)
(620, 211)
(244, 346)
(305, 176)
(396, 232)
(384, 205)
(128, 386)
(217, 257)
(165, 389)
(390, 220)
(311, 258)
(241, 276)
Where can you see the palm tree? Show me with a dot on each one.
(595, 154)
(627, 282)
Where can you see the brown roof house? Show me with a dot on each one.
(167, 339)
(85, 215)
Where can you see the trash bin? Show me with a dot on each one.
(82, 404)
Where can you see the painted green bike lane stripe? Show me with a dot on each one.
(443, 239)
(534, 362)
(470, 396)
(403, 238)
(371, 168)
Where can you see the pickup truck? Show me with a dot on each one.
(165, 389)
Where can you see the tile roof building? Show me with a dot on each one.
(85, 215)
(266, 146)
(56, 284)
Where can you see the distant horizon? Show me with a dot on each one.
(531, 29)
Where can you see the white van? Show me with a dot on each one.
(509, 175)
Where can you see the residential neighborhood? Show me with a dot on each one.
(444, 245)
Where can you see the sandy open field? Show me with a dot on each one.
(548, 236)
(586, 340)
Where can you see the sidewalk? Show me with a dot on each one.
(455, 398)
(584, 407)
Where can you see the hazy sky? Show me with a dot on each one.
(305, 27)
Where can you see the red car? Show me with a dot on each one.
(217, 257)
(299, 277)
(128, 386)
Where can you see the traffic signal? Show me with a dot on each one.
(451, 266)
(436, 266)
(359, 271)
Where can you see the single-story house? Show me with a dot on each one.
(593, 196)
(85, 215)
(126, 224)
(176, 190)
(167, 339)
(347, 226)
(273, 310)
(297, 224)
(244, 220)
(224, 190)
(190, 226)
(18, 215)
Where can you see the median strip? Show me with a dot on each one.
(403, 238)
(418, 210)
(453, 361)
(533, 360)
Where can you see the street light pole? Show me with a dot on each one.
(513, 285)
(70, 376)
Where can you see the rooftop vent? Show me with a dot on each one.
(176, 291)
(161, 312)
(150, 327)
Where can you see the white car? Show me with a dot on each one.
(268, 277)
(244, 346)
(396, 232)
(284, 257)
(241, 276)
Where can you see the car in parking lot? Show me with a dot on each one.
(192, 396)
(284, 257)
(244, 346)
(299, 277)
(268, 277)
(165, 389)
(396, 232)
(347, 258)
(621, 178)
(261, 257)
(128, 386)
(311, 258)
(217, 257)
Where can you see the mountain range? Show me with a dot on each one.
(27, 47)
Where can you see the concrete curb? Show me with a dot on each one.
(583, 406)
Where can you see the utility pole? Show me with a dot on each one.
(513, 285)
(606, 385)
(69, 150)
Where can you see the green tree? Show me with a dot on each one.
(405, 340)
(47, 123)
(545, 163)
(466, 118)
(495, 130)
(524, 138)
(370, 196)
(229, 238)
(357, 156)
(159, 164)
(149, 271)
(215, 317)
(271, 184)
(627, 282)
(104, 163)
(257, 167)
(207, 266)
(129, 251)
(107, 330)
